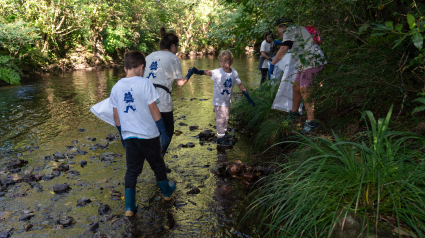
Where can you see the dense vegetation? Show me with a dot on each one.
(55, 35)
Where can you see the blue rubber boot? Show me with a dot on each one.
(167, 188)
(130, 202)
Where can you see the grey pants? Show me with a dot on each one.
(221, 119)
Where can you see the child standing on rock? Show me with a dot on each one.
(224, 79)
(140, 123)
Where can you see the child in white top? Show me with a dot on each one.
(224, 79)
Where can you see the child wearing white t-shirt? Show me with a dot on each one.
(140, 125)
(224, 79)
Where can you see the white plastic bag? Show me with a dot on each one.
(104, 112)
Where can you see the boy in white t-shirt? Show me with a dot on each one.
(224, 79)
(140, 124)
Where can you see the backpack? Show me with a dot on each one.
(317, 38)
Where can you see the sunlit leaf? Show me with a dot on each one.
(418, 40)
(411, 21)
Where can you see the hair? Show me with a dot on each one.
(133, 59)
(167, 39)
(226, 54)
(268, 33)
(283, 20)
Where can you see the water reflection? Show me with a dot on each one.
(49, 111)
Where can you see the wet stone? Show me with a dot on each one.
(36, 147)
(82, 130)
(26, 217)
(58, 155)
(104, 209)
(55, 173)
(94, 227)
(92, 148)
(112, 137)
(62, 167)
(209, 149)
(19, 195)
(101, 146)
(93, 139)
(69, 146)
(175, 156)
(177, 132)
(83, 163)
(2, 194)
(117, 155)
(16, 163)
(182, 124)
(28, 227)
(101, 235)
(190, 145)
(74, 141)
(65, 220)
(206, 134)
(106, 156)
(48, 177)
(28, 178)
(7, 182)
(83, 201)
(82, 152)
(6, 233)
(73, 172)
(36, 185)
(47, 157)
(194, 190)
(38, 168)
(192, 128)
(16, 170)
(93, 157)
(61, 188)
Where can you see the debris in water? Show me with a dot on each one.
(104, 209)
(192, 128)
(182, 124)
(194, 190)
(177, 133)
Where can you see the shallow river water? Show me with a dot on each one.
(44, 115)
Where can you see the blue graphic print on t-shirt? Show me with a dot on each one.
(153, 67)
(227, 84)
(128, 98)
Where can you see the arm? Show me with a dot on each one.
(182, 82)
(116, 117)
(153, 108)
(282, 51)
(241, 87)
(263, 53)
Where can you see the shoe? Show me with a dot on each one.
(130, 202)
(167, 188)
(224, 141)
(293, 115)
(310, 126)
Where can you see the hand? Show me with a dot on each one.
(277, 42)
(190, 73)
(122, 140)
(245, 93)
(271, 70)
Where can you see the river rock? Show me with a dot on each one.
(101, 235)
(48, 177)
(353, 228)
(2, 194)
(26, 217)
(177, 132)
(65, 220)
(106, 156)
(58, 155)
(182, 124)
(28, 178)
(16, 163)
(7, 182)
(194, 190)
(62, 167)
(190, 145)
(38, 168)
(47, 157)
(74, 141)
(82, 130)
(6, 233)
(112, 137)
(192, 128)
(83, 163)
(56, 173)
(206, 134)
(104, 209)
(82, 152)
(101, 146)
(69, 147)
(28, 227)
(61, 188)
(83, 201)
(94, 227)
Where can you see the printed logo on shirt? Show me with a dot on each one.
(227, 84)
(153, 68)
(129, 100)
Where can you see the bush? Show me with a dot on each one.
(377, 174)
(267, 125)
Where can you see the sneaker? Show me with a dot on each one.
(310, 126)
(224, 141)
(293, 115)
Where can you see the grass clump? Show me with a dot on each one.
(376, 174)
(268, 126)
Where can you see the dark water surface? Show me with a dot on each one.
(47, 112)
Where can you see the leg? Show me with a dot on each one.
(296, 96)
(134, 160)
(264, 73)
(226, 112)
(169, 124)
(308, 103)
(220, 121)
(152, 152)
(306, 79)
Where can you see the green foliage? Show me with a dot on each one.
(116, 39)
(267, 125)
(374, 174)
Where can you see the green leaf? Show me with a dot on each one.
(381, 27)
(418, 40)
(378, 34)
(399, 41)
(411, 21)
(389, 24)
(418, 109)
(399, 28)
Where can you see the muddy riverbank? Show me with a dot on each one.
(72, 182)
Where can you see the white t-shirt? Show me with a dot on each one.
(131, 97)
(267, 48)
(311, 51)
(223, 86)
(163, 67)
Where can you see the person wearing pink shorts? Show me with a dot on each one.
(309, 60)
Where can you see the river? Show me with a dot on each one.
(43, 116)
